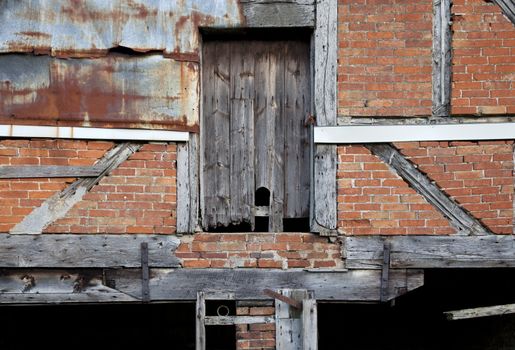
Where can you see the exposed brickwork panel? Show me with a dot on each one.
(261, 250)
(478, 175)
(137, 197)
(384, 57)
(483, 59)
(255, 336)
(372, 199)
(18, 197)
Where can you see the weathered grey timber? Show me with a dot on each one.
(309, 324)
(460, 219)
(385, 272)
(21, 172)
(265, 141)
(200, 327)
(278, 13)
(73, 286)
(442, 37)
(508, 8)
(230, 320)
(325, 48)
(477, 312)
(59, 204)
(288, 319)
(422, 252)
(76, 251)
(248, 284)
(188, 185)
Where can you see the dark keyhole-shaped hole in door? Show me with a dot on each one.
(262, 199)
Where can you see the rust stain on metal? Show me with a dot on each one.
(78, 28)
(115, 91)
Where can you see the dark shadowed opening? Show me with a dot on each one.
(134, 326)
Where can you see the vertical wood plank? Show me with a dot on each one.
(289, 321)
(297, 105)
(200, 327)
(325, 108)
(441, 57)
(193, 159)
(242, 174)
(276, 126)
(183, 188)
(309, 324)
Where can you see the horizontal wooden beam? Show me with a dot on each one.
(231, 320)
(24, 286)
(278, 13)
(88, 251)
(424, 252)
(53, 171)
(248, 284)
(477, 312)
(400, 133)
(80, 133)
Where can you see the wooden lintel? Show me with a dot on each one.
(248, 284)
(477, 312)
(86, 251)
(464, 222)
(274, 13)
(52, 171)
(424, 252)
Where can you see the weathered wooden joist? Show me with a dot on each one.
(248, 284)
(485, 311)
(423, 252)
(87, 251)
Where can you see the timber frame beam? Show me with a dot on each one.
(427, 252)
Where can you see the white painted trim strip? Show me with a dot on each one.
(67, 132)
(398, 133)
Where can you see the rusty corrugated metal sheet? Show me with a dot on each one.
(117, 90)
(80, 28)
(68, 76)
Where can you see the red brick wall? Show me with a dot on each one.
(372, 199)
(483, 59)
(478, 175)
(18, 197)
(138, 197)
(255, 336)
(384, 57)
(261, 250)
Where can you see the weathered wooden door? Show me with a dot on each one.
(256, 98)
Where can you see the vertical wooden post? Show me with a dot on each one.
(325, 57)
(441, 57)
(309, 324)
(200, 334)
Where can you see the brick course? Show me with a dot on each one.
(258, 250)
(384, 57)
(255, 336)
(483, 59)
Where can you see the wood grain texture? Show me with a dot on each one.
(52, 171)
(248, 284)
(421, 252)
(57, 206)
(485, 311)
(464, 222)
(325, 49)
(87, 251)
(309, 324)
(232, 320)
(278, 14)
(200, 327)
(442, 64)
(187, 185)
